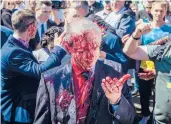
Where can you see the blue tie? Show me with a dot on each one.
(42, 30)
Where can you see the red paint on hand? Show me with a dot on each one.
(120, 81)
(124, 78)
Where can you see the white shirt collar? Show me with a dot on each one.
(15, 36)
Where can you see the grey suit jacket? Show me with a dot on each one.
(60, 80)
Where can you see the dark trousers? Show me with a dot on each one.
(145, 88)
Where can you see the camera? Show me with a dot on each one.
(59, 5)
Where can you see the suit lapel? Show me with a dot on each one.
(99, 73)
(96, 94)
(69, 86)
(99, 100)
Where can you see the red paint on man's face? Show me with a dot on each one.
(84, 49)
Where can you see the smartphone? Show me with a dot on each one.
(142, 74)
(145, 20)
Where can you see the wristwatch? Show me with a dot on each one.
(135, 37)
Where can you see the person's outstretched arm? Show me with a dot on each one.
(132, 48)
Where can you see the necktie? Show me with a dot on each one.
(42, 30)
(86, 75)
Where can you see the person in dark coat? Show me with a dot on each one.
(75, 92)
(6, 13)
(43, 10)
(122, 18)
(20, 71)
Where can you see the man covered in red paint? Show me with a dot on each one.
(87, 90)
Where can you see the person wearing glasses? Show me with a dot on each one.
(21, 72)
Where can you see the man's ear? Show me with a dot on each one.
(30, 30)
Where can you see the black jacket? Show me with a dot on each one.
(6, 18)
(97, 19)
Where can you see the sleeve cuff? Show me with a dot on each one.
(60, 51)
(115, 106)
(62, 48)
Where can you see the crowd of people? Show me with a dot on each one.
(71, 61)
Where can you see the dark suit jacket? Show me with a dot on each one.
(97, 19)
(59, 80)
(34, 42)
(20, 76)
(111, 45)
